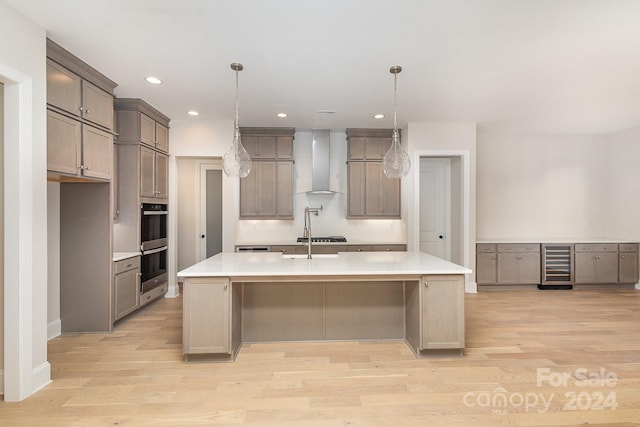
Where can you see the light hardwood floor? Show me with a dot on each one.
(135, 376)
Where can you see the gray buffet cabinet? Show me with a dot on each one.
(556, 265)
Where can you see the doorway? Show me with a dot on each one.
(441, 207)
(210, 230)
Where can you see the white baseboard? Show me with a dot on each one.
(41, 376)
(638, 286)
(1, 383)
(471, 287)
(54, 329)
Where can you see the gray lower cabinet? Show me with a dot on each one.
(596, 263)
(519, 264)
(487, 264)
(442, 312)
(211, 310)
(628, 263)
(126, 287)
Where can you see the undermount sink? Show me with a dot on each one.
(304, 256)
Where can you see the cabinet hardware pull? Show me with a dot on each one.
(225, 287)
(426, 285)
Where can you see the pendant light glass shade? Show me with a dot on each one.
(236, 161)
(396, 162)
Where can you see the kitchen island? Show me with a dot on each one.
(233, 298)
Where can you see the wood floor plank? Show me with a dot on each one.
(136, 376)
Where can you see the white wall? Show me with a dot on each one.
(623, 201)
(448, 140)
(542, 186)
(23, 71)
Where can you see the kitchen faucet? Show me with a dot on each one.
(307, 226)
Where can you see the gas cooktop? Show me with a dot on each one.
(329, 239)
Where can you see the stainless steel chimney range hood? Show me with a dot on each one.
(320, 163)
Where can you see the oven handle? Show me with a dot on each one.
(155, 212)
(154, 251)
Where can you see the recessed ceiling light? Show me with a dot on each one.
(379, 116)
(153, 80)
(282, 115)
(192, 113)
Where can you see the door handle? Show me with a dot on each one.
(441, 237)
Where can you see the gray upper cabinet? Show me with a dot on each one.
(143, 138)
(370, 193)
(79, 117)
(267, 192)
(77, 89)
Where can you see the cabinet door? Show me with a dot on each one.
(585, 267)
(267, 188)
(206, 316)
(355, 150)
(147, 172)
(284, 149)
(248, 194)
(284, 193)
(161, 176)
(126, 294)
(64, 137)
(258, 191)
(529, 268)
(147, 130)
(64, 89)
(162, 137)
(356, 189)
(97, 153)
(260, 146)
(390, 195)
(97, 105)
(376, 147)
(382, 195)
(442, 312)
(507, 268)
(607, 267)
(486, 268)
(628, 267)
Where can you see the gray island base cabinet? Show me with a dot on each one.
(276, 304)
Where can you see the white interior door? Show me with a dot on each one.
(210, 222)
(435, 206)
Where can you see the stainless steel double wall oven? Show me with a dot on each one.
(153, 238)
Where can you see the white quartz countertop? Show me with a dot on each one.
(228, 264)
(119, 256)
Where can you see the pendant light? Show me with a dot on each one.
(236, 161)
(396, 162)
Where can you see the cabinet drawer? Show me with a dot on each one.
(153, 294)
(388, 248)
(359, 248)
(596, 247)
(486, 247)
(519, 247)
(126, 264)
(628, 247)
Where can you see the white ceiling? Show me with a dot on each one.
(553, 66)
